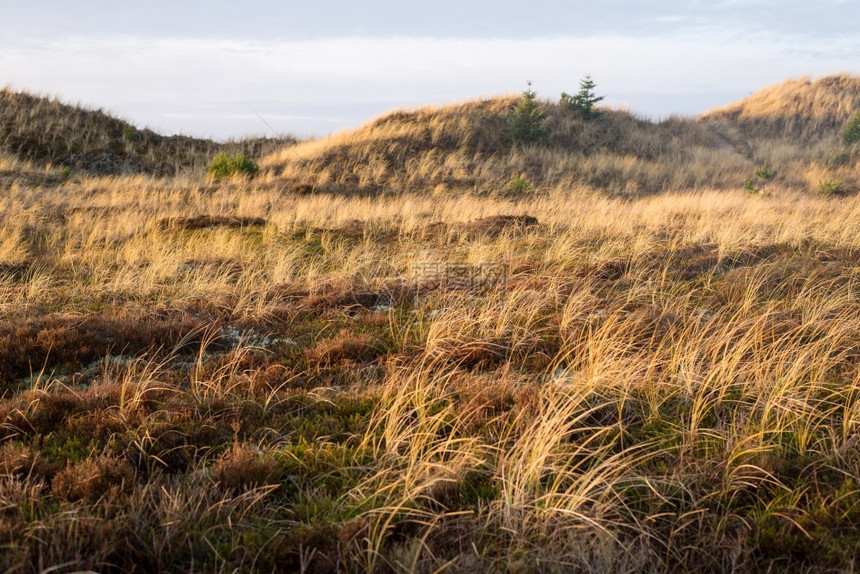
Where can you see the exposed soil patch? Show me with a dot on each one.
(301, 189)
(490, 227)
(839, 254)
(341, 189)
(356, 229)
(392, 295)
(496, 224)
(436, 230)
(16, 271)
(209, 221)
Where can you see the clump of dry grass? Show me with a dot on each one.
(344, 347)
(16, 459)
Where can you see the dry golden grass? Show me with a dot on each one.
(240, 377)
(662, 383)
(802, 107)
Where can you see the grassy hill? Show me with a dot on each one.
(465, 147)
(795, 127)
(47, 131)
(803, 109)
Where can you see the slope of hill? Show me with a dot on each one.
(47, 131)
(803, 108)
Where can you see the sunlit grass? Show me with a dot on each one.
(372, 358)
(662, 383)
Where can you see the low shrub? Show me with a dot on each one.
(519, 184)
(225, 166)
(244, 466)
(129, 134)
(830, 187)
(763, 175)
(851, 135)
(764, 172)
(751, 187)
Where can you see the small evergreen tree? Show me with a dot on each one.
(525, 119)
(851, 135)
(763, 175)
(518, 184)
(830, 187)
(764, 172)
(582, 103)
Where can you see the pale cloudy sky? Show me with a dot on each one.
(311, 68)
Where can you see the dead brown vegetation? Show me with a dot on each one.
(31, 345)
(244, 466)
(93, 478)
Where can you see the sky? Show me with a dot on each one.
(261, 67)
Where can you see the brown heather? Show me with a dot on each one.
(244, 466)
(262, 376)
(92, 479)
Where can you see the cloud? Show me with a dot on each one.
(185, 84)
(275, 20)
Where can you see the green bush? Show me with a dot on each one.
(226, 166)
(519, 184)
(751, 188)
(765, 172)
(582, 103)
(129, 134)
(851, 135)
(830, 187)
(525, 119)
